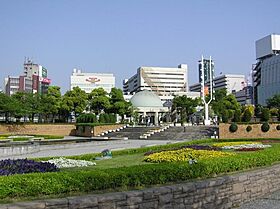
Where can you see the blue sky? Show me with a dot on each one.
(118, 36)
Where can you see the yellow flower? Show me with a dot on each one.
(185, 155)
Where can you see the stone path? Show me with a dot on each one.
(271, 201)
(87, 147)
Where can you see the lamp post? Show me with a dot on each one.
(203, 85)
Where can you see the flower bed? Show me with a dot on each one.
(193, 146)
(249, 149)
(21, 166)
(245, 146)
(225, 144)
(184, 155)
(68, 163)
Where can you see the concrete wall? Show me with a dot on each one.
(241, 132)
(219, 193)
(89, 131)
(44, 129)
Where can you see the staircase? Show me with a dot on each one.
(172, 133)
(185, 133)
(130, 132)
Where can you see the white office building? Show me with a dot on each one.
(231, 82)
(90, 81)
(266, 73)
(163, 81)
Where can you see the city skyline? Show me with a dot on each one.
(118, 37)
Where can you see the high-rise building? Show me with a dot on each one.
(231, 82)
(266, 72)
(34, 80)
(163, 81)
(90, 81)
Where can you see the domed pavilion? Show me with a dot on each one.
(149, 106)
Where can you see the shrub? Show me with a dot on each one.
(247, 116)
(265, 127)
(86, 118)
(233, 127)
(112, 118)
(249, 128)
(237, 115)
(265, 116)
(278, 127)
(21, 166)
(225, 116)
(106, 118)
(273, 111)
(102, 118)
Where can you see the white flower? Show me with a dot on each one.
(246, 146)
(68, 163)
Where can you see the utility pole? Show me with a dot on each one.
(210, 90)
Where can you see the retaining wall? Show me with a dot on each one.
(89, 131)
(241, 132)
(42, 129)
(219, 193)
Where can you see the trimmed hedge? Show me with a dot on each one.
(94, 124)
(233, 127)
(249, 128)
(63, 183)
(265, 127)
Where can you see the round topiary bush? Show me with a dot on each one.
(249, 128)
(278, 127)
(265, 127)
(233, 127)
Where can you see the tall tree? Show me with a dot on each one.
(118, 105)
(74, 101)
(5, 106)
(224, 102)
(51, 102)
(98, 100)
(185, 106)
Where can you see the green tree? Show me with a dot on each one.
(6, 106)
(20, 105)
(185, 106)
(225, 116)
(224, 102)
(237, 116)
(258, 110)
(273, 101)
(51, 102)
(265, 114)
(247, 115)
(74, 101)
(98, 100)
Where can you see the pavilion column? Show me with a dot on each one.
(144, 117)
(156, 118)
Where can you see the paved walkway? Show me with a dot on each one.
(271, 201)
(87, 147)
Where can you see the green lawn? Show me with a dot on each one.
(115, 162)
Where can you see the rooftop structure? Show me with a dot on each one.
(90, 81)
(34, 80)
(163, 81)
